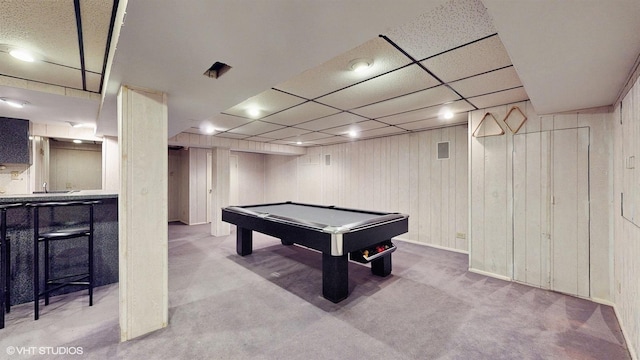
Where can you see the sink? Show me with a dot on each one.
(54, 192)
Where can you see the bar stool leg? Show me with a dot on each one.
(36, 264)
(7, 275)
(3, 256)
(91, 255)
(47, 265)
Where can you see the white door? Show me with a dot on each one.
(551, 210)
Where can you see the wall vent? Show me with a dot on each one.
(443, 150)
(216, 70)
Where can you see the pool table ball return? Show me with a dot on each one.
(339, 233)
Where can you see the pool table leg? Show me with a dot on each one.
(335, 277)
(381, 266)
(244, 241)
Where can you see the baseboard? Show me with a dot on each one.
(627, 339)
(431, 245)
(486, 273)
(603, 302)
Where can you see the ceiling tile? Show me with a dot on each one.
(358, 127)
(43, 72)
(285, 133)
(400, 82)
(96, 16)
(434, 96)
(304, 112)
(255, 128)
(384, 131)
(93, 81)
(498, 80)
(46, 27)
(331, 140)
(500, 98)
(340, 119)
(312, 136)
(335, 73)
(231, 135)
(460, 118)
(455, 23)
(267, 103)
(223, 122)
(473, 59)
(258, 139)
(460, 106)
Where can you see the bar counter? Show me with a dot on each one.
(20, 234)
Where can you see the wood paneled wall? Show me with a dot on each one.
(626, 247)
(397, 173)
(491, 170)
(251, 176)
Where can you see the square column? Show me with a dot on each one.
(142, 211)
(220, 193)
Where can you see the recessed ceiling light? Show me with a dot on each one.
(299, 142)
(353, 133)
(77, 141)
(18, 104)
(22, 54)
(253, 112)
(445, 113)
(208, 129)
(359, 65)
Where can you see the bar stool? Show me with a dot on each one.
(60, 232)
(5, 264)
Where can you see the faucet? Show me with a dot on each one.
(44, 187)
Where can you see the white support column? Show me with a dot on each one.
(142, 208)
(220, 193)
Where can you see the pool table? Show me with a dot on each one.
(339, 233)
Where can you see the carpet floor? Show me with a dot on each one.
(269, 305)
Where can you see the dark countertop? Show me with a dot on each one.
(67, 196)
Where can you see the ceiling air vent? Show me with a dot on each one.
(216, 70)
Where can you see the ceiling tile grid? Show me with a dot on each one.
(450, 60)
(44, 27)
(335, 74)
(265, 103)
(332, 121)
(421, 99)
(405, 80)
(96, 17)
(357, 127)
(500, 98)
(474, 58)
(431, 123)
(224, 122)
(284, 133)
(450, 25)
(255, 128)
(302, 113)
(49, 30)
(493, 81)
(433, 112)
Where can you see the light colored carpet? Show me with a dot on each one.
(268, 305)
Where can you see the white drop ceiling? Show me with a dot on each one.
(290, 60)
